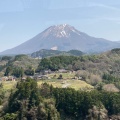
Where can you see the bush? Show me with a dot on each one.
(60, 76)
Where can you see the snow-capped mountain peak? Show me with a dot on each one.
(63, 37)
(59, 31)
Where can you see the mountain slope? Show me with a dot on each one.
(63, 37)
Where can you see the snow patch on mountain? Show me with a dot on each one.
(76, 32)
(54, 48)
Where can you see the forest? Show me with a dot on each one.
(31, 99)
(28, 101)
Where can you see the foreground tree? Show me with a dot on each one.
(26, 103)
(97, 113)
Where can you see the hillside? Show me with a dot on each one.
(98, 64)
(96, 70)
(63, 37)
(89, 88)
(108, 62)
(29, 100)
(48, 53)
(17, 62)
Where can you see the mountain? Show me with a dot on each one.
(63, 37)
(48, 53)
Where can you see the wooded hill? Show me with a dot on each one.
(105, 63)
(96, 70)
(16, 64)
(50, 53)
(108, 62)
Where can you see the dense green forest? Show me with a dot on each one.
(26, 103)
(18, 65)
(30, 102)
(108, 62)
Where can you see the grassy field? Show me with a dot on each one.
(8, 85)
(76, 84)
(67, 81)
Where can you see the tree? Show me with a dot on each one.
(97, 113)
(8, 71)
(60, 76)
(30, 71)
(18, 72)
(27, 103)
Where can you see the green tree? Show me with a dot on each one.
(8, 71)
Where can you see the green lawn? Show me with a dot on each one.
(8, 85)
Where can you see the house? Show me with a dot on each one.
(62, 71)
(44, 77)
(4, 78)
(23, 78)
(8, 78)
(41, 77)
(11, 78)
(45, 72)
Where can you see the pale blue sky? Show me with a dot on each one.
(21, 20)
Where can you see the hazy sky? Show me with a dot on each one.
(21, 20)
